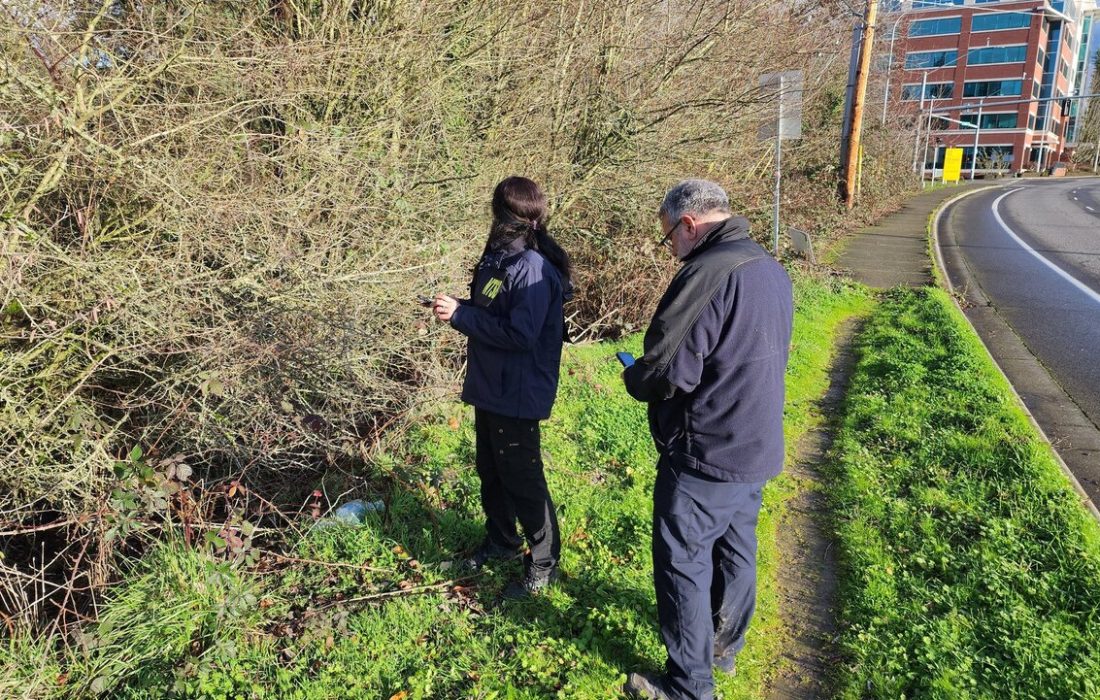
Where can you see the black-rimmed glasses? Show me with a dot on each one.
(665, 240)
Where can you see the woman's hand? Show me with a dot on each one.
(444, 307)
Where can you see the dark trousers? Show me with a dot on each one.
(513, 486)
(704, 571)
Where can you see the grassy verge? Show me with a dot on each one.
(971, 569)
(184, 625)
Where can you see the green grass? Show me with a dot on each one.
(971, 570)
(183, 625)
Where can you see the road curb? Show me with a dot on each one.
(941, 277)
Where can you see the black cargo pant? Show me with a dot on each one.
(509, 462)
(704, 571)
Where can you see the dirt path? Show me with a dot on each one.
(808, 575)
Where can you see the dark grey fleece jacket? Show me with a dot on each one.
(715, 359)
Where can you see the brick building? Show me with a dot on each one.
(959, 58)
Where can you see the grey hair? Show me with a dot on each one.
(694, 197)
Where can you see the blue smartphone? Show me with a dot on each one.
(625, 358)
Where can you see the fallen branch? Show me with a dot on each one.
(318, 562)
(48, 526)
(416, 590)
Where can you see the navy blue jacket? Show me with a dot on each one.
(715, 359)
(514, 323)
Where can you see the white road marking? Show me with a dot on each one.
(1062, 273)
(1090, 208)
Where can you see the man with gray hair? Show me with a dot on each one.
(712, 376)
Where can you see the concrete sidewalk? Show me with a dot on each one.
(895, 250)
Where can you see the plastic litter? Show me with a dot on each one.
(352, 513)
(355, 512)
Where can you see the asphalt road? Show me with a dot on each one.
(1032, 247)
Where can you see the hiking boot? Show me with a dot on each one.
(532, 582)
(645, 685)
(489, 551)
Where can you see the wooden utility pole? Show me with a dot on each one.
(851, 165)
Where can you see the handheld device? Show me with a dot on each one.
(625, 358)
(423, 300)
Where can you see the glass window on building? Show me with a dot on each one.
(921, 4)
(936, 27)
(994, 88)
(932, 91)
(997, 54)
(931, 59)
(989, 157)
(997, 22)
(1008, 120)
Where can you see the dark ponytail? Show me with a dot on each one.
(552, 251)
(519, 209)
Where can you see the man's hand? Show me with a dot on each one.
(444, 307)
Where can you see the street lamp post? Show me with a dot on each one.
(977, 134)
(916, 142)
(928, 140)
(936, 159)
(890, 65)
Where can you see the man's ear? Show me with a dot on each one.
(691, 226)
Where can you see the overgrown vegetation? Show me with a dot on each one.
(214, 217)
(972, 571)
(377, 612)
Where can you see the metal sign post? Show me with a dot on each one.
(778, 171)
(788, 125)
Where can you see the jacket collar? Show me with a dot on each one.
(514, 246)
(499, 256)
(732, 229)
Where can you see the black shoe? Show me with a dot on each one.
(488, 551)
(532, 582)
(645, 685)
(727, 665)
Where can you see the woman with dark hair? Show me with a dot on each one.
(515, 326)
